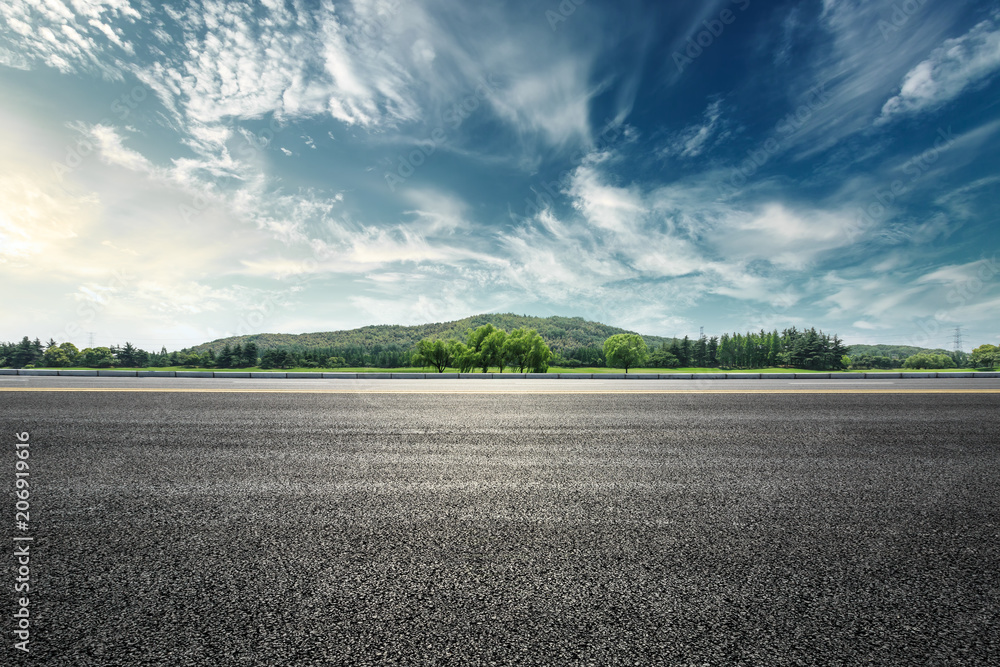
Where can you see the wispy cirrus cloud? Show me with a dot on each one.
(950, 69)
(695, 139)
(252, 166)
(859, 67)
(361, 64)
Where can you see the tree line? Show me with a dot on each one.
(810, 349)
(484, 348)
(522, 349)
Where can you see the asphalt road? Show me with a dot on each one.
(246, 528)
(437, 386)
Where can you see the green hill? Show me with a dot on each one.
(561, 334)
(893, 351)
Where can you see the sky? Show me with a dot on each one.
(178, 172)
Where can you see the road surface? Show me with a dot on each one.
(301, 523)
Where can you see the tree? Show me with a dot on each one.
(700, 352)
(268, 359)
(540, 354)
(71, 352)
(724, 354)
(250, 352)
(492, 352)
(676, 351)
(524, 349)
(663, 358)
(277, 359)
(928, 361)
(126, 355)
(56, 357)
(713, 349)
(225, 358)
(485, 347)
(685, 355)
(436, 353)
(985, 355)
(838, 354)
(97, 357)
(464, 358)
(625, 351)
(774, 349)
(24, 354)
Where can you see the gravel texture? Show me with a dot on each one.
(302, 529)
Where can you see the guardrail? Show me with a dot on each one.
(492, 376)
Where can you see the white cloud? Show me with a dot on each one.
(69, 38)
(553, 101)
(225, 204)
(969, 273)
(693, 140)
(112, 150)
(437, 212)
(949, 70)
(358, 63)
(786, 238)
(855, 66)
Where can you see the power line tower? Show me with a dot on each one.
(701, 332)
(958, 338)
(90, 339)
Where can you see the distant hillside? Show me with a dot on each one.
(561, 333)
(893, 351)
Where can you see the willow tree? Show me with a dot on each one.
(436, 353)
(525, 349)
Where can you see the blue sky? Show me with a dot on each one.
(178, 173)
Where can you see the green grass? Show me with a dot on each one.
(682, 370)
(251, 369)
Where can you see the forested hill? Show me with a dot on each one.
(893, 351)
(561, 333)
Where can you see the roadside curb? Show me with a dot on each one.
(494, 376)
